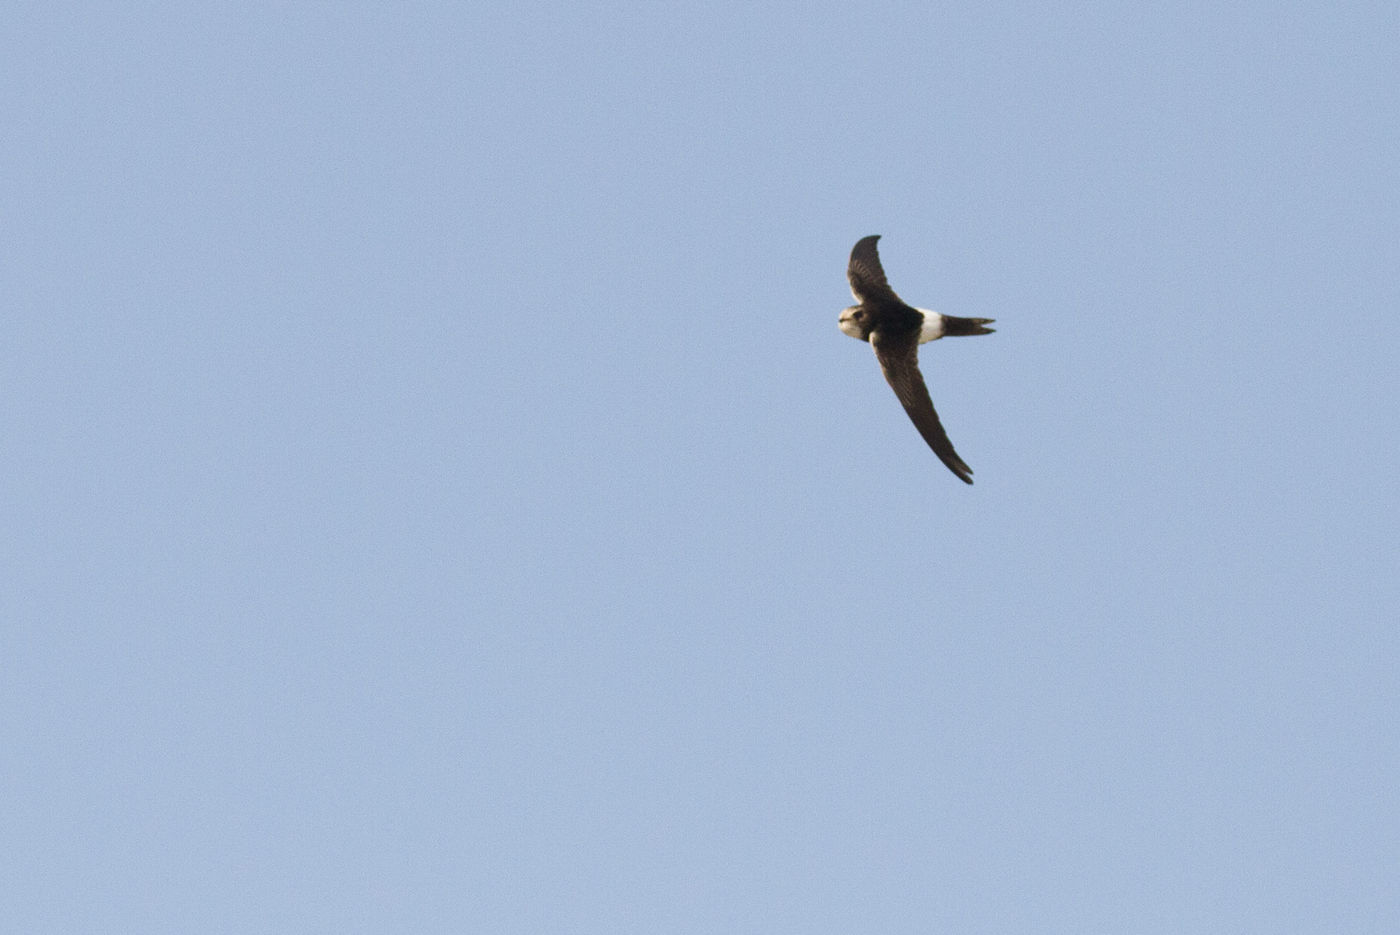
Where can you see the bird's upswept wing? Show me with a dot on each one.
(866, 275)
(899, 359)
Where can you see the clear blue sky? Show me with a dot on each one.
(438, 499)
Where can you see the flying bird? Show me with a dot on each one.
(896, 330)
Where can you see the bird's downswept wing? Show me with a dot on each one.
(899, 359)
(866, 275)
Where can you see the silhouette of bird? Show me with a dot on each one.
(896, 330)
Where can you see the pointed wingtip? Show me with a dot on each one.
(955, 464)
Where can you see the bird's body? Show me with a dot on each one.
(896, 330)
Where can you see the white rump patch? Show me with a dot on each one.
(932, 328)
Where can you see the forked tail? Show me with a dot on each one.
(962, 327)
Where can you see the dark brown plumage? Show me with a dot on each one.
(896, 330)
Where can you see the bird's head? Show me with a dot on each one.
(855, 321)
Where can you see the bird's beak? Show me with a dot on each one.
(848, 324)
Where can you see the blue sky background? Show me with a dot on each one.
(437, 497)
